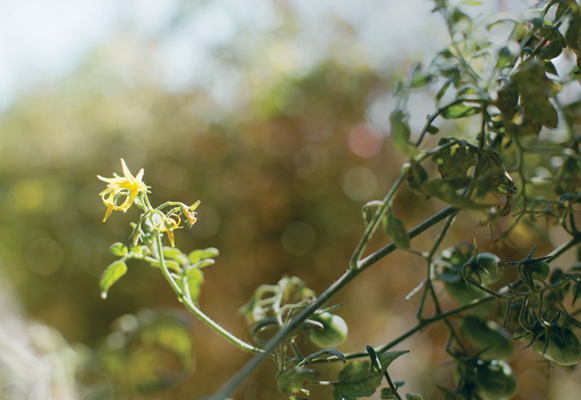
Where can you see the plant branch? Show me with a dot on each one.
(347, 277)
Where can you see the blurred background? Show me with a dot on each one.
(275, 114)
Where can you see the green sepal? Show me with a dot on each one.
(112, 274)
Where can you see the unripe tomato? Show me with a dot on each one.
(463, 294)
(564, 346)
(488, 261)
(487, 335)
(334, 330)
(495, 380)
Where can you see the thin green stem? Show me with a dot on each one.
(195, 310)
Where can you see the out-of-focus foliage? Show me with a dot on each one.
(281, 166)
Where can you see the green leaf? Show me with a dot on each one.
(491, 166)
(419, 77)
(535, 89)
(459, 110)
(575, 292)
(550, 51)
(413, 396)
(433, 129)
(111, 275)
(175, 254)
(455, 160)
(446, 192)
(198, 255)
(118, 249)
(323, 354)
(447, 393)
(195, 279)
(416, 177)
(400, 133)
(507, 100)
(170, 264)
(396, 231)
(444, 88)
(292, 380)
(357, 379)
(171, 334)
(572, 34)
(550, 68)
(505, 58)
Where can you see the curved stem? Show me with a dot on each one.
(195, 310)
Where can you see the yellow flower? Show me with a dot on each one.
(127, 185)
(162, 223)
(190, 216)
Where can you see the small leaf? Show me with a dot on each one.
(357, 380)
(197, 255)
(170, 264)
(400, 133)
(195, 279)
(433, 129)
(387, 394)
(572, 34)
(550, 68)
(375, 363)
(447, 393)
(396, 231)
(292, 380)
(505, 58)
(550, 51)
(204, 263)
(413, 396)
(416, 177)
(446, 192)
(575, 292)
(323, 354)
(111, 275)
(444, 89)
(459, 110)
(118, 249)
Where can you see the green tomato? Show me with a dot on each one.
(494, 380)
(487, 335)
(463, 294)
(540, 270)
(334, 330)
(488, 261)
(564, 346)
